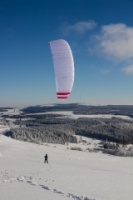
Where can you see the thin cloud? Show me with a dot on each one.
(115, 41)
(80, 27)
(128, 70)
(104, 71)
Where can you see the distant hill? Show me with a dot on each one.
(40, 123)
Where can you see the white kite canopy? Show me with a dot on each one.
(63, 67)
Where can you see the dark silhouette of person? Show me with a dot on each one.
(46, 158)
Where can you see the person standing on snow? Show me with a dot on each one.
(46, 158)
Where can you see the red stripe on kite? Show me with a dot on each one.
(63, 93)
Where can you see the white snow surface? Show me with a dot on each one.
(11, 111)
(70, 174)
(70, 114)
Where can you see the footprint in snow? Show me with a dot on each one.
(21, 178)
(31, 183)
(44, 187)
(57, 191)
(77, 197)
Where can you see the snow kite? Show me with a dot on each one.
(63, 67)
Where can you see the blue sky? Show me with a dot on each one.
(100, 33)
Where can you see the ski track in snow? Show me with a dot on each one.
(7, 177)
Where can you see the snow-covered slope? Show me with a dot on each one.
(69, 175)
(70, 114)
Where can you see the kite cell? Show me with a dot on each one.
(63, 66)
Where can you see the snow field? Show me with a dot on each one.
(70, 174)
